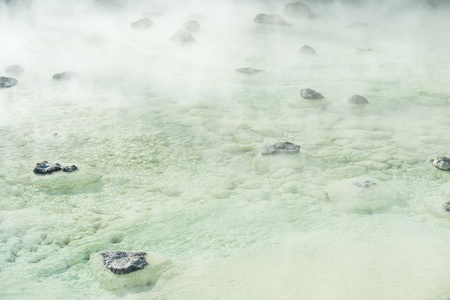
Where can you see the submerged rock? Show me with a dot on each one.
(272, 19)
(15, 70)
(364, 184)
(249, 70)
(143, 23)
(182, 36)
(446, 206)
(357, 99)
(65, 76)
(192, 26)
(298, 9)
(123, 262)
(46, 167)
(7, 82)
(310, 94)
(441, 163)
(307, 50)
(281, 148)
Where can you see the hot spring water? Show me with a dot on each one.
(168, 140)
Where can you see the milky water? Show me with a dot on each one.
(168, 140)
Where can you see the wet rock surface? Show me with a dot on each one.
(143, 23)
(281, 148)
(192, 26)
(446, 206)
(15, 70)
(249, 70)
(357, 99)
(310, 94)
(307, 50)
(65, 76)
(182, 36)
(123, 262)
(46, 167)
(272, 19)
(298, 9)
(7, 82)
(441, 163)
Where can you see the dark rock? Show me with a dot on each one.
(123, 262)
(307, 50)
(358, 25)
(143, 23)
(310, 94)
(364, 184)
(48, 168)
(182, 36)
(249, 70)
(357, 99)
(441, 163)
(298, 9)
(15, 70)
(191, 26)
(7, 82)
(272, 19)
(65, 76)
(446, 206)
(281, 148)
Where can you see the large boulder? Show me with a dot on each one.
(7, 82)
(441, 163)
(281, 148)
(143, 23)
(66, 76)
(310, 94)
(298, 9)
(272, 19)
(357, 99)
(15, 70)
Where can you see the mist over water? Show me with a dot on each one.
(168, 137)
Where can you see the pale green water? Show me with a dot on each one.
(168, 141)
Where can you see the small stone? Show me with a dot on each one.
(46, 168)
(441, 163)
(249, 70)
(272, 19)
(298, 9)
(281, 148)
(310, 94)
(446, 206)
(182, 36)
(357, 99)
(192, 26)
(143, 23)
(69, 168)
(15, 70)
(65, 76)
(364, 184)
(7, 82)
(307, 50)
(123, 262)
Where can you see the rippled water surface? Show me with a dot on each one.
(168, 140)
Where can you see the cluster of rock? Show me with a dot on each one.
(46, 167)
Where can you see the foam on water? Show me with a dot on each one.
(168, 141)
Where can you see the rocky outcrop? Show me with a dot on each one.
(15, 70)
(310, 94)
(249, 70)
(272, 19)
(143, 23)
(182, 36)
(7, 82)
(307, 50)
(191, 26)
(281, 148)
(357, 99)
(298, 9)
(123, 262)
(441, 163)
(46, 167)
(65, 76)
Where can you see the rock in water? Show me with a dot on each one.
(307, 50)
(310, 94)
(182, 36)
(249, 70)
(7, 82)
(298, 9)
(65, 76)
(272, 19)
(441, 163)
(446, 206)
(123, 262)
(143, 23)
(192, 26)
(48, 168)
(364, 184)
(15, 70)
(357, 99)
(281, 148)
